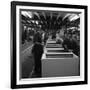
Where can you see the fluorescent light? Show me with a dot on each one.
(66, 15)
(74, 17)
(25, 13)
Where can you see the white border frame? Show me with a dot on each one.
(51, 79)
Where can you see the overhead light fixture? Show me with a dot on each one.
(37, 14)
(67, 15)
(27, 14)
(73, 17)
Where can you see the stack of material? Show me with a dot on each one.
(57, 62)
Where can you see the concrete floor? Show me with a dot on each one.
(26, 61)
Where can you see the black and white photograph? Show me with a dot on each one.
(49, 44)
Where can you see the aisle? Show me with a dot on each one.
(56, 61)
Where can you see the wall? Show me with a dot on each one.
(5, 44)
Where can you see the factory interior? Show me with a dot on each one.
(49, 43)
